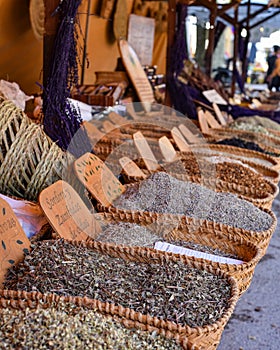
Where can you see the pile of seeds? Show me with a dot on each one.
(237, 142)
(249, 127)
(130, 234)
(163, 193)
(66, 326)
(225, 171)
(170, 291)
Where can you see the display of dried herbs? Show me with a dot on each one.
(163, 193)
(238, 142)
(223, 170)
(130, 234)
(67, 326)
(170, 291)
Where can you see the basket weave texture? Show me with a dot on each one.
(206, 337)
(29, 159)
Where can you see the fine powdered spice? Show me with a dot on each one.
(66, 326)
(163, 193)
(169, 291)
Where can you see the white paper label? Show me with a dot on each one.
(213, 97)
(167, 247)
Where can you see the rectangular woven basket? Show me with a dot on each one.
(206, 337)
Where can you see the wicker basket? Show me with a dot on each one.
(261, 239)
(267, 143)
(206, 337)
(226, 242)
(29, 160)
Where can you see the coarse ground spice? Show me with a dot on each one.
(170, 291)
(130, 234)
(224, 170)
(66, 326)
(163, 193)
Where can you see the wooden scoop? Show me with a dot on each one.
(212, 122)
(145, 151)
(117, 119)
(190, 137)
(98, 179)
(131, 168)
(219, 114)
(202, 122)
(67, 213)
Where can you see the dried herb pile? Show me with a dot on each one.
(225, 171)
(130, 234)
(171, 291)
(238, 142)
(66, 326)
(163, 193)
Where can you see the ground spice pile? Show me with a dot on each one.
(171, 291)
(163, 193)
(66, 326)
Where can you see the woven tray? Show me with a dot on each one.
(206, 337)
(29, 160)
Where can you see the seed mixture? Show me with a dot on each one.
(66, 326)
(172, 291)
(163, 193)
(130, 234)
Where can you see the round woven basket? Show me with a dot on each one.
(206, 337)
(29, 159)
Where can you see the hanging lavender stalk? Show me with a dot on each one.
(179, 93)
(61, 119)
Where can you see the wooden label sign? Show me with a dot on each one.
(108, 126)
(202, 122)
(130, 168)
(93, 132)
(98, 179)
(190, 137)
(117, 119)
(219, 114)
(14, 242)
(167, 149)
(179, 140)
(67, 213)
(145, 151)
(211, 120)
(137, 75)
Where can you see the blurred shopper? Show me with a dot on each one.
(273, 72)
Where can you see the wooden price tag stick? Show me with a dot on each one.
(167, 149)
(212, 122)
(145, 151)
(14, 242)
(180, 140)
(98, 179)
(130, 168)
(131, 111)
(117, 119)
(190, 137)
(202, 122)
(219, 114)
(67, 213)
